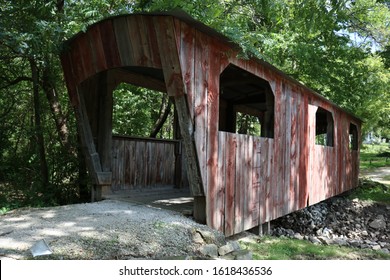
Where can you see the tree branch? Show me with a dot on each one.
(16, 81)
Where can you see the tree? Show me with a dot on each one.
(338, 48)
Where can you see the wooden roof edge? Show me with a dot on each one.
(185, 17)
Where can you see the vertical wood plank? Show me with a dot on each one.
(187, 62)
(304, 155)
(312, 153)
(175, 87)
(256, 170)
(77, 64)
(201, 94)
(215, 190)
(155, 55)
(124, 41)
(249, 187)
(287, 163)
(293, 176)
(230, 155)
(86, 58)
(277, 195)
(98, 53)
(221, 176)
(110, 46)
(239, 194)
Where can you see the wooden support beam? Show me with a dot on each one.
(189, 147)
(166, 39)
(100, 175)
(92, 157)
(104, 133)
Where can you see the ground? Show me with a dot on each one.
(381, 174)
(109, 229)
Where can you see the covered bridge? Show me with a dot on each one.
(307, 148)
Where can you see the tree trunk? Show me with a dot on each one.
(164, 113)
(38, 126)
(56, 110)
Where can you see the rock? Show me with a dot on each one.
(197, 238)
(211, 238)
(385, 250)
(229, 257)
(338, 221)
(228, 248)
(355, 243)
(314, 240)
(298, 236)
(378, 223)
(327, 233)
(242, 255)
(376, 247)
(209, 250)
(340, 241)
(325, 240)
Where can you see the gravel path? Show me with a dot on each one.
(381, 175)
(110, 229)
(105, 230)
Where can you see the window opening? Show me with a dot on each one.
(324, 127)
(353, 137)
(246, 103)
(142, 112)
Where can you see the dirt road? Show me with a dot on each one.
(381, 175)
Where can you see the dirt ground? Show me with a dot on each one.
(109, 229)
(381, 175)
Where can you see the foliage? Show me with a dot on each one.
(272, 248)
(339, 48)
(135, 112)
(369, 190)
(370, 156)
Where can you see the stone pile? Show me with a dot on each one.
(339, 221)
(212, 248)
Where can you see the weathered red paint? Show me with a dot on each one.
(247, 180)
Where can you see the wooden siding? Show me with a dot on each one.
(246, 180)
(144, 163)
(244, 175)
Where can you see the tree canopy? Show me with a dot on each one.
(340, 48)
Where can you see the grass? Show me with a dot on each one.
(372, 191)
(283, 248)
(273, 248)
(369, 156)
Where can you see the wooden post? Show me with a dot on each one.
(98, 175)
(166, 40)
(189, 147)
(104, 129)
(178, 152)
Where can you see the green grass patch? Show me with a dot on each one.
(274, 248)
(371, 191)
(370, 156)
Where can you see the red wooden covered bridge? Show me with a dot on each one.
(307, 148)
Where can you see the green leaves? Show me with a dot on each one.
(136, 111)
